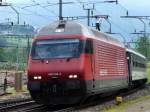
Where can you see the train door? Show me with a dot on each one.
(129, 62)
(96, 68)
(89, 49)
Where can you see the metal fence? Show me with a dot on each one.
(14, 51)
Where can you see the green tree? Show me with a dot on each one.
(143, 46)
(1, 54)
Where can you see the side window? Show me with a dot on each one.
(140, 65)
(89, 46)
(133, 63)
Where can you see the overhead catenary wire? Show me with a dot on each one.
(78, 2)
(27, 10)
(127, 13)
(35, 13)
(116, 25)
(94, 2)
(81, 3)
(44, 8)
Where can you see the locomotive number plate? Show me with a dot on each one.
(54, 74)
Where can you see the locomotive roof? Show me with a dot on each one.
(74, 27)
(135, 52)
(70, 27)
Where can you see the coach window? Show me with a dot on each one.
(136, 64)
(144, 66)
(133, 63)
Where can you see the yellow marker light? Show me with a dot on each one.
(119, 100)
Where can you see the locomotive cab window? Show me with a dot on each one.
(55, 48)
(86, 46)
(89, 46)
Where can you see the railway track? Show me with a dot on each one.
(31, 108)
(28, 105)
(14, 104)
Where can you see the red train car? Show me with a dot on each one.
(69, 62)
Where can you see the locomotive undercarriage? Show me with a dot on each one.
(57, 92)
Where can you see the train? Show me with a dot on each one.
(70, 62)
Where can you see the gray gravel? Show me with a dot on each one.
(101, 107)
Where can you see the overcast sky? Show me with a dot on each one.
(41, 14)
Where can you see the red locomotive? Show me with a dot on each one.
(69, 62)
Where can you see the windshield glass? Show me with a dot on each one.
(58, 48)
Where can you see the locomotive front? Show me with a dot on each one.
(55, 69)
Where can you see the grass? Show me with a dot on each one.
(122, 107)
(148, 71)
(13, 91)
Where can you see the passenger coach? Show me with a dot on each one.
(136, 68)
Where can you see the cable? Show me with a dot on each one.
(35, 13)
(116, 25)
(27, 6)
(126, 13)
(79, 1)
(44, 8)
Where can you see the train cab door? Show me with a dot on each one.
(129, 62)
(89, 50)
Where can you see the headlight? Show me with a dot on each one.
(70, 76)
(37, 77)
(73, 76)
